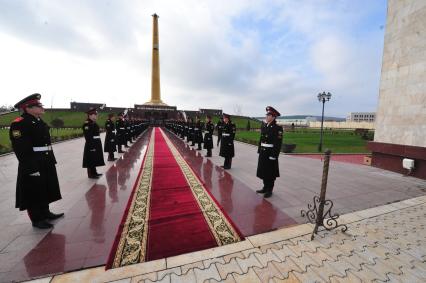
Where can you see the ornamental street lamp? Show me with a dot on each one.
(322, 97)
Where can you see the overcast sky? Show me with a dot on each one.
(235, 55)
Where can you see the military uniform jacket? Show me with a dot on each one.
(128, 130)
(269, 149)
(29, 136)
(219, 127)
(191, 126)
(185, 129)
(198, 132)
(208, 135)
(227, 142)
(121, 131)
(93, 155)
(110, 137)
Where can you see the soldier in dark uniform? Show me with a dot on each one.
(185, 130)
(198, 133)
(219, 128)
(110, 144)
(37, 184)
(128, 131)
(269, 149)
(121, 132)
(208, 136)
(227, 142)
(190, 131)
(93, 155)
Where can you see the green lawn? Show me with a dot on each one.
(338, 141)
(56, 134)
(71, 119)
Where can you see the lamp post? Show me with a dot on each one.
(322, 97)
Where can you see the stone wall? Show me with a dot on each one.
(342, 125)
(401, 115)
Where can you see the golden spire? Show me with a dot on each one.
(155, 79)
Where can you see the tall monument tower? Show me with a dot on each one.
(155, 77)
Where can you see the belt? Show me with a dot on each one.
(122, 128)
(42, 148)
(196, 129)
(267, 145)
(96, 137)
(226, 135)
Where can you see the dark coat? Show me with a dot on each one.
(128, 130)
(110, 144)
(271, 137)
(198, 132)
(191, 126)
(185, 129)
(219, 127)
(93, 155)
(121, 132)
(227, 142)
(27, 132)
(208, 135)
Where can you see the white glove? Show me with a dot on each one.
(36, 174)
(272, 158)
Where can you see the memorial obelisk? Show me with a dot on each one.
(155, 77)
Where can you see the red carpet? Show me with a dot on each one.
(171, 212)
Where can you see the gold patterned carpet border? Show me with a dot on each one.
(131, 248)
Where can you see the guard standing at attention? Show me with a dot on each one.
(191, 131)
(37, 184)
(93, 155)
(110, 144)
(198, 133)
(269, 149)
(219, 127)
(208, 136)
(227, 141)
(121, 132)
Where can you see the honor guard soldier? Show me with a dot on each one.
(121, 132)
(185, 130)
(128, 131)
(208, 136)
(198, 133)
(219, 127)
(190, 131)
(110, 144)
(269, 149)
(37, 184)
(227, 142)
(93, 155)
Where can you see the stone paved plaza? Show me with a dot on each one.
(94, 208)
(383, 244)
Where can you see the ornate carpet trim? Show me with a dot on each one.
(220, 227)
(132, 246)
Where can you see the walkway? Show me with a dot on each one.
(386, 243)
(94, 207)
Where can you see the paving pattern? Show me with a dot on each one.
(387, 248)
